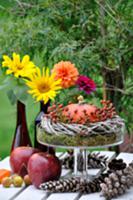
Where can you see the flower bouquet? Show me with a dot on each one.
(77, 124)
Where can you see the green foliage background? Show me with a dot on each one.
(95, 35)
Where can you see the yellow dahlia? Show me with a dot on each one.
(67, 72)
(43, 86)
(17, 67)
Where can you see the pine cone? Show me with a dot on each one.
(68, 161)
(106, 182)
(95, 160)
(62, 185)
(117, 164)
(117, 182)
(75, 184)
(92, 186)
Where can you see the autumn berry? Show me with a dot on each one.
(6, 182)
(17, 181)
(27, 180)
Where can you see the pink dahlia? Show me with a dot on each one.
(86, 84)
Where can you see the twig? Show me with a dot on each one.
(108, 126)
(106, 11)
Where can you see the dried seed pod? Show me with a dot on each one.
(118, 181)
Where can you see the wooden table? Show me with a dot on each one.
(31, 193)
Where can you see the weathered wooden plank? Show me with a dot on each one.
(9, 193)
(65, 154)
(63, 196)
(59, 154)
(5, 163)
(31, 193)
(109, 154)
(94, 172)
(65, 172)
(93, 196)
(127, 157)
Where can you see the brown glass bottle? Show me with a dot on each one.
(43, 110)
(21, 136)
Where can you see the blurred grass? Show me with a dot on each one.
(7, 111)
(6, 3)
(8, 122)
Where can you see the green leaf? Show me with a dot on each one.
(20, 92)
(12, 97)
(3, 86)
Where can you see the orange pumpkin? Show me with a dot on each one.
(80, 112)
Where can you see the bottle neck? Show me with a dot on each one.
(44, 107)
(21, 116)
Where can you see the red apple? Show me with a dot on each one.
(19, 159)
(43, 167)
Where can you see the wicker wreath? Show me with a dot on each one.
(109, 126)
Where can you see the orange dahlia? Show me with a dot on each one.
(67, 72)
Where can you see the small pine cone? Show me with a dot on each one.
(62, 185)
(117, 164)
(131, 164)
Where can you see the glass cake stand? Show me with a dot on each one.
(80, 150)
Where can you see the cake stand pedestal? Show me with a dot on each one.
(83, 160)
(81, 157)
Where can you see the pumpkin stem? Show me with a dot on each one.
(80, 99)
